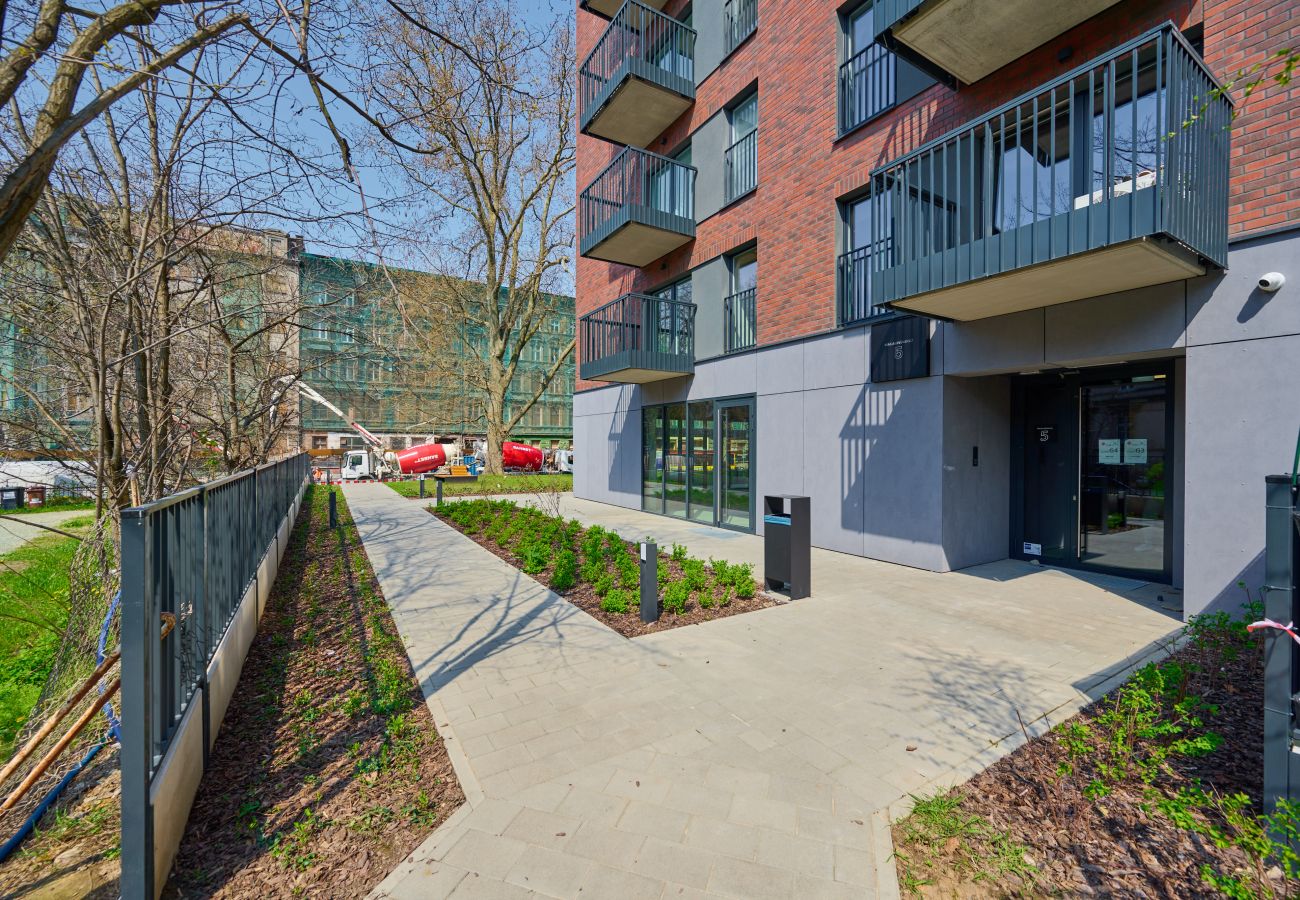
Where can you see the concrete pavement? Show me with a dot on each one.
(754, 756)
(13, 533)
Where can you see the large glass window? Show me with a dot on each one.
(676, 452)
(740, 310)
(701, 462)
(696, 461)
(652, 459)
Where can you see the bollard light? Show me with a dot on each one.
(649, 581)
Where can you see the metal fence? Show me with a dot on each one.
(740, 326)
(188, 561)
(1281, 653)
(742, 166)
(740, 18)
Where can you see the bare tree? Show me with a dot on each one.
(498, 219)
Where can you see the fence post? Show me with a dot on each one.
(649, 581)
(137, 857)
(334, 510)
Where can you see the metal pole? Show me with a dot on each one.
(1281, 775)
(334, 510)
(649, 581)
(421, 487)
(137, 855)
(438, 502)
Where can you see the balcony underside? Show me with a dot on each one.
(636, 368)
(1123, 267)
(607, 8)
(634, 243)
(638, 110)
(970, 39)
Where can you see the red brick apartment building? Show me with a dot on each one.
(983, 278)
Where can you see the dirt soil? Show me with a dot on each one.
(328, 770)
(1120, 845)
(629, 624)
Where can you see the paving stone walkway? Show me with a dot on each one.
(751, 757)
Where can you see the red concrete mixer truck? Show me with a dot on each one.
(376, 464)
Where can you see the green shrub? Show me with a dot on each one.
(629, 573)
(565, 575)
(693, 571)
(727, 593)
(675, 597)
(616, 601)
(679, 553)
(536, 555)
(603, 584)
(705, 597)
(742, 579)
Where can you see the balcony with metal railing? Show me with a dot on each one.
(607, 9)
(739, 321)
(1110, 178)
(639, 78)
(641, 206)
(969, 39)
(638, 338)
(739, 21)
(741, 165)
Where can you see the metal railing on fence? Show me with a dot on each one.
(740, 326)
(741, 160)
(188, 560)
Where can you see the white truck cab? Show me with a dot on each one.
(362, 465)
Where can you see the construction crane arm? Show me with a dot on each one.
(312, 394)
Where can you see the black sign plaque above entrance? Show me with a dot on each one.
(900, 348)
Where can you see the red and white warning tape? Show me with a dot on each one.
(1289, 627)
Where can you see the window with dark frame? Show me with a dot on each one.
(869, 73)
(741, 157)
(740, 325)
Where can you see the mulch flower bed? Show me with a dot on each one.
(601, 576)
(328, 770)
(1153, 791)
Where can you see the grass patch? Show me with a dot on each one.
(488, 484)
(33, 613)
(53, 504)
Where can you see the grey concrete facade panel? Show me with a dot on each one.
(976, 469)
(1000, 344)
(707, 19)
(1103, 328)
(1231, 307)
(708, 145)
(835, 360)
(709, 288)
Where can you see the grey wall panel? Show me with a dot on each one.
(709, 36)
(708, 144)
(782, 454)
(976, 510)
(780, 369)
(836, 359)
(709, 288)
(999, 344)
(607, 442)
(1116, 326)
(1241, 425)
(1231, 307)
(728, 376)
(834, 447)
(890, 446)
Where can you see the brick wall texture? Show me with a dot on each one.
(802, 168)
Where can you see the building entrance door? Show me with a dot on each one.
(736, 464)
(1095, 457)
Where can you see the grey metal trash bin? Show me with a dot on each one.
(11, 498)
(787, 545)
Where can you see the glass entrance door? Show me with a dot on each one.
(1096, 458)
(1125, 428)
(736, 464)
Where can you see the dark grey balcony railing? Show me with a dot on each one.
(637, 187)
(739, 18)
(638, 331)
(1133, 144)
(739, 321)
(741, 161)
(868, 86)
(853, 286)
(639, 42)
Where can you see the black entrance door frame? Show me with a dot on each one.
(1073, 379)
(720, 464)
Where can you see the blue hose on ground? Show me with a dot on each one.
(114, 726)
(21, 834)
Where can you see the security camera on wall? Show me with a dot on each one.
(1271, 281)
